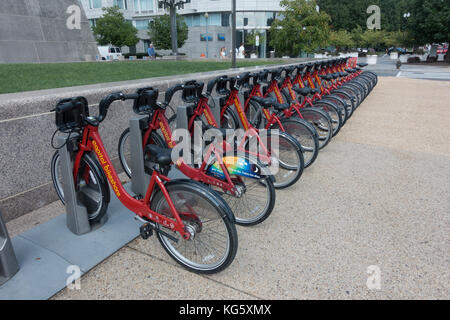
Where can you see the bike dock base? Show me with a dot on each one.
(45, 252)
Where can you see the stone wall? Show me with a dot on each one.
(37, 31)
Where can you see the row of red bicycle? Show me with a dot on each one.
(284, 116)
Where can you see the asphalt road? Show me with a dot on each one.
(386, 67)
(376, 200)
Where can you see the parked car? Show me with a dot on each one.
(442, 49)
(110, 53)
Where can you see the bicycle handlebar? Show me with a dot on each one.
(107, 101)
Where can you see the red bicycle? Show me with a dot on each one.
(319, 118)
(193, 224)
(290, 156)
(244, 183)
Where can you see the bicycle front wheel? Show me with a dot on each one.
(287, 153)
(214, 241)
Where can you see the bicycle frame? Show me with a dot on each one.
(91, 141)
(159, 121)
(250, 131)
(295, 106)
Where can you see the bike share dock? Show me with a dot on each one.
(45, 252)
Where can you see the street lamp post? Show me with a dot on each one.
(207, 37)
(233, 33)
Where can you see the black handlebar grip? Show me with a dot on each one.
(211, 85)
(170, 92)
(106, 102)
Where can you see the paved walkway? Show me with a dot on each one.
(377, 196)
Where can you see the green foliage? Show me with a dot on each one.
(301, 29)
(160, 32)
(350, 14)
(112, 28)
(375, 39)
(251, 38)
(341, 39)
(430, 21)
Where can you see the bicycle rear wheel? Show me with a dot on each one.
(124, 148)
(288, 154)
(334, 113)
(91, 186)
(256, 198)
(214, 241)
(305, 134)
(321, 122)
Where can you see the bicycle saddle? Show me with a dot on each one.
(270, 102)
(162, 156)
(302, 91)
(326, 76)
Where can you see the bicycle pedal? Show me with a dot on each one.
(146, 231)
(138, 197)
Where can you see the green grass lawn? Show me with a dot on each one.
(28, 77)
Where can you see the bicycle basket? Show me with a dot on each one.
(192, 91)
(146, 101)
(69, 113)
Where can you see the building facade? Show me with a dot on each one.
(209, 23)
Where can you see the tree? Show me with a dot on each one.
(300, 28)
(173, 5)
(374, 39)
(112, 28)
(349, 14)
(160, 32)
(341, 39)
(430, 21)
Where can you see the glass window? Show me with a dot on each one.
(92, 22)
(270, 16)
(143, 6)
(239, 19)
(188, 20)
(215, 19)
(146, 5)
(141, 24)
(226, 19)
(122, 4)
(95, 4)
(196, 20)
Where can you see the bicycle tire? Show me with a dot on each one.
(288, 171)
(321, 122)
(236, 203)
(333, 111)
(182, 192)
(154, 136)
(85, 190)
(305, 134)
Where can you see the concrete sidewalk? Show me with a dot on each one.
(376, 196)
